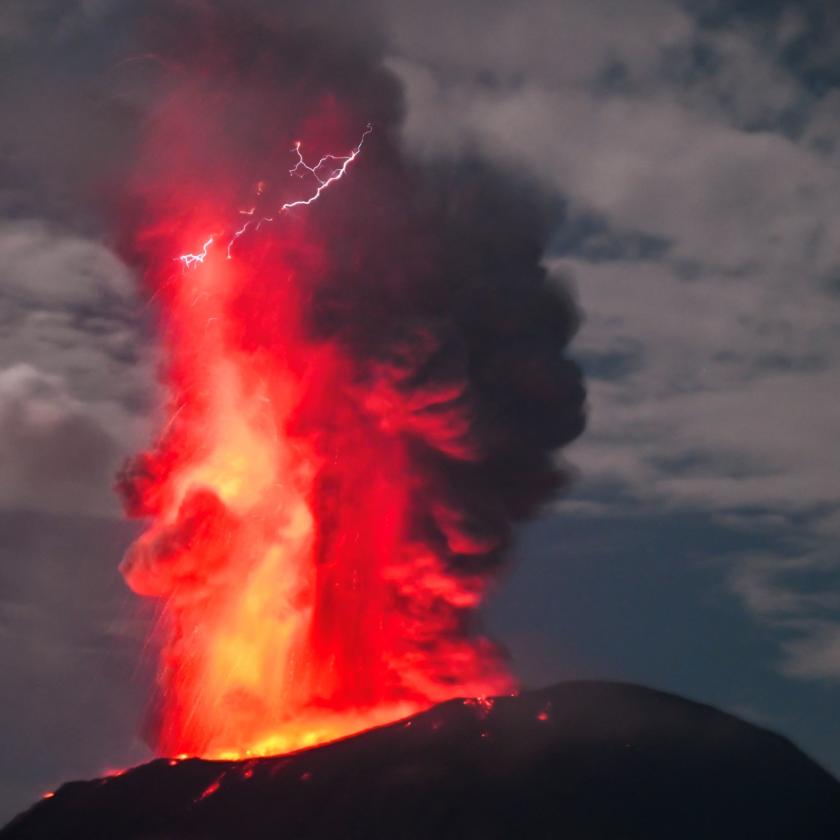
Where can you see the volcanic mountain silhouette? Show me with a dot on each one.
(579, 761)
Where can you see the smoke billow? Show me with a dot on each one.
(364, 400)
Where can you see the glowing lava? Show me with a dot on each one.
(298, 605)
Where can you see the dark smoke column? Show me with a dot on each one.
(365, 394)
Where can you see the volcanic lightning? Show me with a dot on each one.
(323, 180)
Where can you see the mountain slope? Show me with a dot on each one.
(580, 761)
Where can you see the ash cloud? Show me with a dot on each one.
(427, 276)
(433, 282)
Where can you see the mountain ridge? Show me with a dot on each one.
(582, 760)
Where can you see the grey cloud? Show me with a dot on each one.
(74, 354)
(675, 152)
(567, 42)
(53, 20)
(728, 435)
(783, 588)
(75, 369)
(652, 165)
(796, 594)
(54, 455)
(43, 267)
(713, 357)
(703, 389)
(815, 653)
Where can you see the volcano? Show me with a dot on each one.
(583, 761)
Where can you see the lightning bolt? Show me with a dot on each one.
(192, 259)
(328, 170)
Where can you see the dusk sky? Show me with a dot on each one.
(693, 153)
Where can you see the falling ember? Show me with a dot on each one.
(365, 385)
(212, 788)
(482, 705)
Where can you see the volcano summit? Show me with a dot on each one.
(583, 761)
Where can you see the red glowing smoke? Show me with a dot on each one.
(363, 396)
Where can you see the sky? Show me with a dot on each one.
(693, 149)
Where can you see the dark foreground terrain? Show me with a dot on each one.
(578, 761)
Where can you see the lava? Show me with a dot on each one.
(212, 788)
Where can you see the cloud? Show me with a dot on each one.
(796, 594)
(816, 653)
(725, 403)
(55, 454)
(535, 40)
(697, 157)
(21, 19)
(652, 164)
(765, 584)
(75, 379)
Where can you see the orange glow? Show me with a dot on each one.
(297, 608)
(313, 574)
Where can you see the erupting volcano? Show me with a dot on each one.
(364, 392)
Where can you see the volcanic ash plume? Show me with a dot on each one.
(364, 392)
